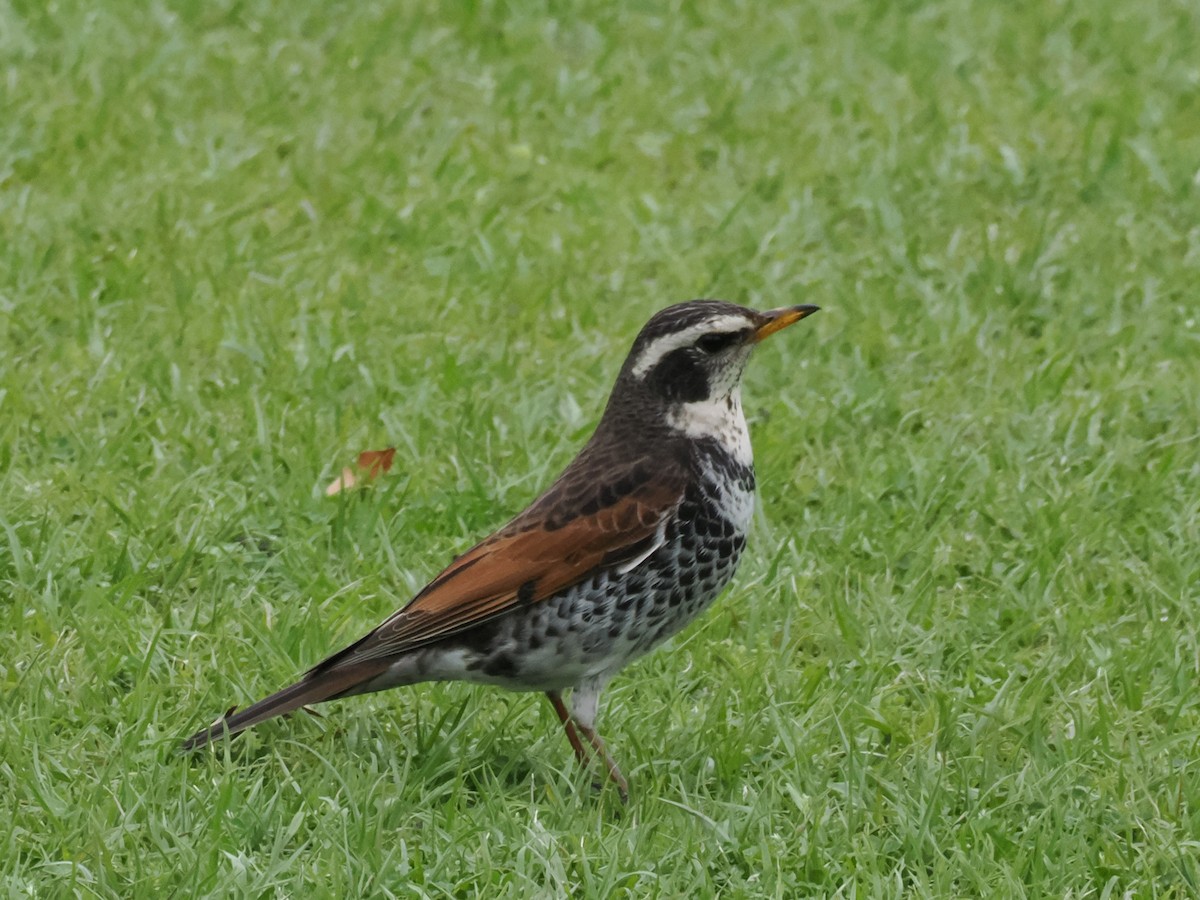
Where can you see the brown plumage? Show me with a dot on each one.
(627, 545)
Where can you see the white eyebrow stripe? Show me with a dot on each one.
(669, 343)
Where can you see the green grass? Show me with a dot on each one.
(242, 241)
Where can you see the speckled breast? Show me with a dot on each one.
(599, 625)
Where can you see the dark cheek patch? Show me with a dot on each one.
(680, 377)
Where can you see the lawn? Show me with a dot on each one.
(242, 241)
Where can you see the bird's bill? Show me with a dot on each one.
(779, 319)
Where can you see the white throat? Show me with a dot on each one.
(719, 418)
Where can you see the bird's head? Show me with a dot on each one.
(693, 355)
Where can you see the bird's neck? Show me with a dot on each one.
(715, 418)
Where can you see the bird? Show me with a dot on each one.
(638, 535)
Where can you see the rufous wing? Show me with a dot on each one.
(534, 557)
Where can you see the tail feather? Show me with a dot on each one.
(317, 686)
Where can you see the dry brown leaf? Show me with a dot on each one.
(375, 462)
(371, 464)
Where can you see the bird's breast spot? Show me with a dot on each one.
(732, 502)
(738, 507)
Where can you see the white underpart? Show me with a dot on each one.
(736, 504)
(585, 700)
(720, 418)
(669, 343)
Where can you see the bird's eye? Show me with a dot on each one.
(717, 341)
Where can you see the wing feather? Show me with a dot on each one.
(538, 555)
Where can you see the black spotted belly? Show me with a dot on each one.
(599, 625)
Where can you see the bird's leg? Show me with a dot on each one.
(573, 727)
(585, 702)
(614, 772)
(556, 701)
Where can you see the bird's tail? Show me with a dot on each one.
(315, 687)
